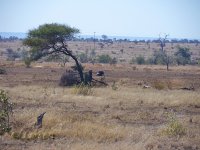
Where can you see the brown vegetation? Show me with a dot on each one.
(129, 117)
(123, 115)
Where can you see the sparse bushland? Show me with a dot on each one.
(104, 117)
(127, 118)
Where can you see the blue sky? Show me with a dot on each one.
(139, 18)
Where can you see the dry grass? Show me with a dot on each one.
(82, 90)
(127, 118)
(73, 126)
(174, 127)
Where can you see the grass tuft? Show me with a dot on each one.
(174, 127)
(159, 85)
(82, 90)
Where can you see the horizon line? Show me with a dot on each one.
(113, 36)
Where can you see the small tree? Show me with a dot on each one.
(183, 56)
(51, 39)
(104, 37)
(166, 57)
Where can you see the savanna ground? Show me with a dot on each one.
(126, 116)
(120, 116)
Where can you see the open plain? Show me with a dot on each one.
(122, 115)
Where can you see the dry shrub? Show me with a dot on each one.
(158, 85)
(169, 85)
(147, 69)
(174, 127)
(82, 89)
(69, 78)
(134, 68)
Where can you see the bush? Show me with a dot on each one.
(159, 85)
(150, 61)
(140, 60)
(113, 61)
(5, 110)
(2, 71)
(114, 87)
(183, 56)
(69, 78)
(104, 59)
(27, 62)
(132, 61)
(12, 55)
(159, 58)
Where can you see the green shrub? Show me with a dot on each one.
(183, 56)
(140, 60)
(159, 58)
(104, 59)
(27, 62)
(150, 61)
(5, 110)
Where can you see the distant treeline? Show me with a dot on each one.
(108, 40)
(11, 38)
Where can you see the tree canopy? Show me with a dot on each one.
(183, 56)
(51, 39)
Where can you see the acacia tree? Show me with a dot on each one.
(183, 56)
(52, 39)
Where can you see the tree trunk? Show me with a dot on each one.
(167, 63)
(167, 66)
(80, 71)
